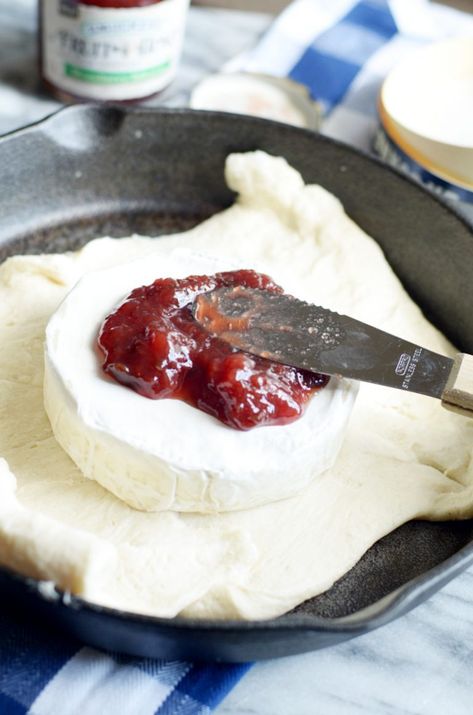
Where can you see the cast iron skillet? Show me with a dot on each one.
(89, 171)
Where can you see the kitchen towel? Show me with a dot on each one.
(44, 673)
(341, 49)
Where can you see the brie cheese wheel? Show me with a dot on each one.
(165, 454)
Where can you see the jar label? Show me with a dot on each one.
(111, 53)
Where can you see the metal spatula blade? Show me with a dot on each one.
(284, 329)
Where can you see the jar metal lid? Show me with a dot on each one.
(261, 95)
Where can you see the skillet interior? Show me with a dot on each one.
(90, 171)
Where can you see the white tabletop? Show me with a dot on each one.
(421, 663)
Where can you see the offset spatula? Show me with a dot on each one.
(287, 330)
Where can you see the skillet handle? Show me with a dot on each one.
(458, 393)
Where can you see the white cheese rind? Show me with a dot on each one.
(165, 454)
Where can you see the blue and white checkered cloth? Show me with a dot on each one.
(342, 50)
(46, 674)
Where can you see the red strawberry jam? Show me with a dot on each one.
(152, 344)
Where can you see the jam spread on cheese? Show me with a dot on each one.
(152, 344)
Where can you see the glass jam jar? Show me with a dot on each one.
(110, 50)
